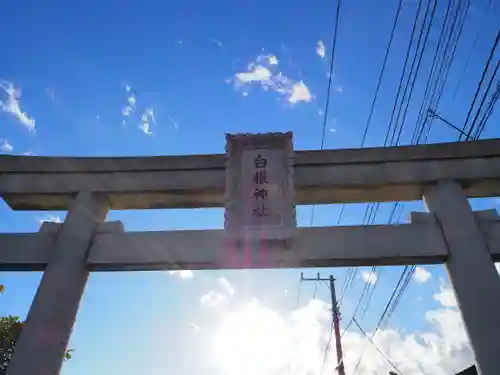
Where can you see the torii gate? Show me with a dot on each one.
(445, 175)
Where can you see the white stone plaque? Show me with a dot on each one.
(260, 189)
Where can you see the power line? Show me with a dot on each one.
(350, 271)
(472, 50)
(483, 76)
(488, 112)
(328, 91)
(433, 114)
(403, 73)
(378, 350)
(395, 141)
(430, 81)
(384, 63)
(483, 99)
(298, 293)
(327, 348)
(446, 65)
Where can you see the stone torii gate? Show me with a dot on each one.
(444, 175)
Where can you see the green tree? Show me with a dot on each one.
(10, 330)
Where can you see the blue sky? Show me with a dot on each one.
(147, 78)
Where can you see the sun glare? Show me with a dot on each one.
(252, 340)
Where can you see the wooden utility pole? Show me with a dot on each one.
(335, 317)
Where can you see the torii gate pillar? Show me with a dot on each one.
(472, 272)
(42, 345)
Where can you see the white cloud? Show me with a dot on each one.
(300, 92)
(320, 49)
(127, 110)
(28, 153)
(127, 87)
(214, 299)
(51, 93)
(267, 59)
(225, 285)
(5, 146)
(255, 339)
(446, 296)
(332, 130)
(13, 105)
(369, 277)
(144, 127)
(421, 275)
(174, 122)
(262, 72)
(51, 219)
(194, 327)
(215, 41)
(130, 106)
(131, 100)
(183, 274)
(339, 89)
(273, 60)
(257, 73)
(147, 118)
(219, 296)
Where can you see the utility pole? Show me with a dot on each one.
(335, 317)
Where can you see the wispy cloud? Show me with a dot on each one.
(268, 59)
(127, 87)
(215, 41)
(220, 295)
(147, 118)
(28, 153)
(130, 106)
(195, 328)
(5, 146)
(173, 121)
(263, 72)
(51, 93)
(320, 49)
(131, 100)
(258, 73)
(339, 89)
(13, 105)
(183, 274)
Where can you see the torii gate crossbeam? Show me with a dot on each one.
(443, 174)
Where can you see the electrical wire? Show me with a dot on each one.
(403, 73)
(473, 125)
(327, 349)
(472, 50)
(299, 289)
(315, 289)
(488, 112)
(483, 76)
(328, 91)
(379, 81)
(378, 350)
(348, 277)
(431, 81)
